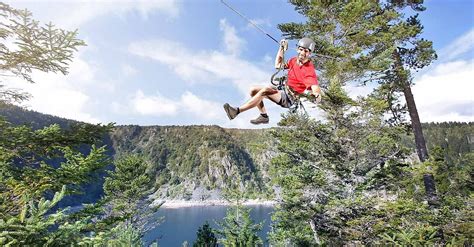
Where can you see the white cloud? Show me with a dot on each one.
(202, 67)
(58, 99)
(145, 7)
(355, 91)
(156, 105)
(82, 70)
(128, 70)
(119, 108)
(59, 95)
(181, 60)
(267, 59)
(206, 66)
(203, 109)
(75, 13)
(460, 46)
(444, 93)
(159, 105)
(232, 43)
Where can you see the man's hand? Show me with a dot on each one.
(284, 44)
(317, 97)
(279, 63)
(312, 96)
(316, 92)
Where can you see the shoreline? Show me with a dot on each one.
(194, 203)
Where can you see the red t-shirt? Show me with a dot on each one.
(301, 77)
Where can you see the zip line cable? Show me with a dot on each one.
(251, 22)
(263, 31)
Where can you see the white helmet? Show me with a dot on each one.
(307, 43)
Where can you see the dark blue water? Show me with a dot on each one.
(181, 224)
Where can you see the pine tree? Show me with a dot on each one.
(352, 37)
(39, 167)
(205, 237)
(329, 173)
(412, 53)
(126, 190)
(44, 48)
(29, 166)
(237, 227)
(29, 174)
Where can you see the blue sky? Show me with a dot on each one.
(176, 62)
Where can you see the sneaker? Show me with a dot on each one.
(231, 111)
(260, 120)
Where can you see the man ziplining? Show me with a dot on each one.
(301, 77)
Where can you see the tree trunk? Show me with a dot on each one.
(315, 232)
(421, 150)
(415, 123)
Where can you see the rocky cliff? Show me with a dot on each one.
(198, 162)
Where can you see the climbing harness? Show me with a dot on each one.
(280, 83)
(296, 99)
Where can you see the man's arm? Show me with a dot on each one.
(279, 63)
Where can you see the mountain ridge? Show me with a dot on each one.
(199, 162)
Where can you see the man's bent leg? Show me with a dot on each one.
(256, 100)
(253, 92)
(258, 97)
(276, 97)
(232, 112)
(263, 117)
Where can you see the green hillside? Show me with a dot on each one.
(186, 159)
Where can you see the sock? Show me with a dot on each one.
(264, 115)
(238, 110)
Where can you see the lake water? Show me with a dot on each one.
(181, 224)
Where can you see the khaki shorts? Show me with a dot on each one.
(286, 100)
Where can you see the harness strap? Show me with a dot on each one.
(295, 99)
(292, 95)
